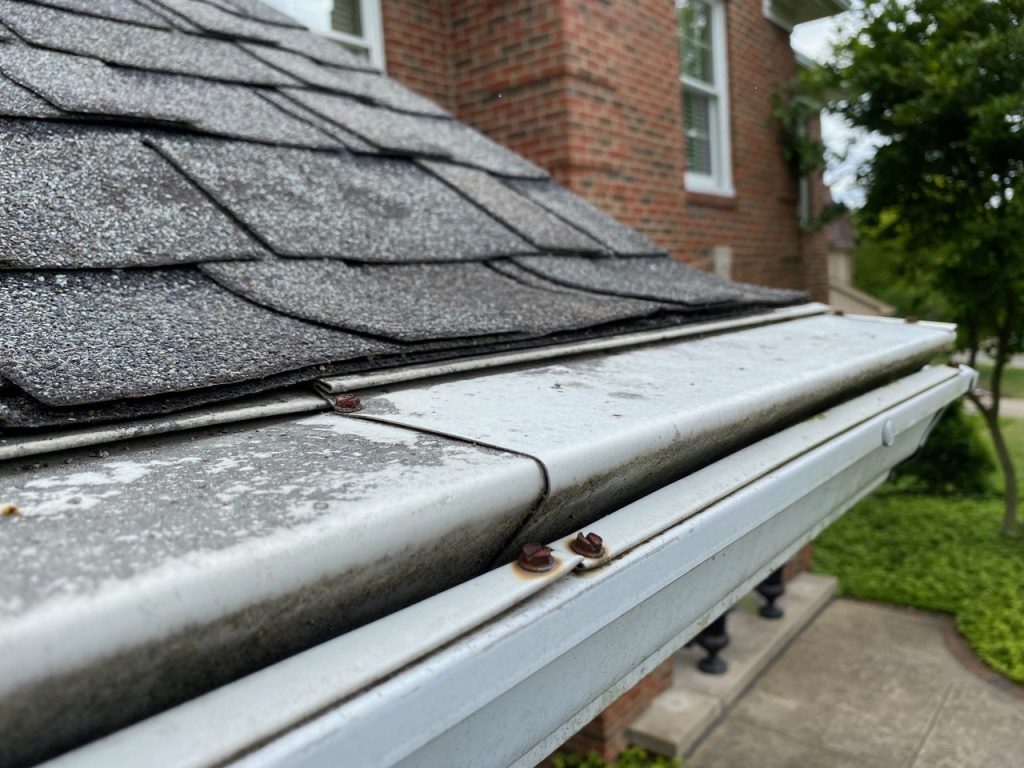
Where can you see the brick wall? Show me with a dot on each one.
(589, 89)
(417, 45)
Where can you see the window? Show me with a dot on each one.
(356, 24)
(705, 89)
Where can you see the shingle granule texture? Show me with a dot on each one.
(16, 101)
(321, 49)
(346, 138)
(76, 83)
(581, 214)
(659, 279)
(304, 203)
(19, 411)
(100, 198)
(417, 134)
(210, 18)
(543, 229)
(86, 337)
(256, 10)
(133, 46)
(367, 85)
(419, 302)
(121, 10)
(86, 85)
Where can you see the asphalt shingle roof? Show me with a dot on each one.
(202, 200)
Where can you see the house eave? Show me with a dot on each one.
(788, 13)
(157, 559)
(579, 636)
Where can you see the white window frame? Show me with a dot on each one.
(372, 39)
(719, 181)
(317, 15)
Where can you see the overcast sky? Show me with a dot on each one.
(814, 40)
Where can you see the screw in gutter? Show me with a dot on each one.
(536, 558)
(591, 545)
(348, 403)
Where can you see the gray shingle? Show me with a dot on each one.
(234, 26)
(85, 85)
(16, 101)
(541, 228)
(120, 10)
(95, 336)
(133, 46)
(420, 301)
(583, 215)
(214, 20)
(304, 203)
(347, 138)
(257, 10)
(371, 86)
(19, 411)
(173, 20)
(99, 198)
(322, 49)
(418, 135)
(660, 279)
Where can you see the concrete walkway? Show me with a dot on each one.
(871, 686)
(1012, 408)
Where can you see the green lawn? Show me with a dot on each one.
(1013, 380)
(938, 553)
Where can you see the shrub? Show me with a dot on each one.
(955, 460)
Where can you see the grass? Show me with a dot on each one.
(1013, 380)
(938, 553)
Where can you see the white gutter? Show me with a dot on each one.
(357, 381)
(200, 557)
(455, 674)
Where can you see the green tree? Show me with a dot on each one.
(942, 81)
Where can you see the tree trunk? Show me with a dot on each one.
(991, 416)
(1009, 475)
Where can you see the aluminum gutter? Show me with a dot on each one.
(610, 428)
(262, 407)
(140, 576)
(602, 627)
(336, 384)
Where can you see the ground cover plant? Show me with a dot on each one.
(631, 757)
(938, 551)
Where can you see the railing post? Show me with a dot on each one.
(771, 589)
(713, 639)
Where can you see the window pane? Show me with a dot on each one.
(346, 16)
(697, 124)
(695, 40)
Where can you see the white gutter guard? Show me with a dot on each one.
(143, 575)
(676, 559)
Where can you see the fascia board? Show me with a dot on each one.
(602, 628)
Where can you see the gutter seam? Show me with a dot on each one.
(494, 561)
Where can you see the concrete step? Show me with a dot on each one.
(680, 717)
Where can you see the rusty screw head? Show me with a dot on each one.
(910, 319)
(347, 403)
(838, 312)
(536, 558)
(590, 545)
